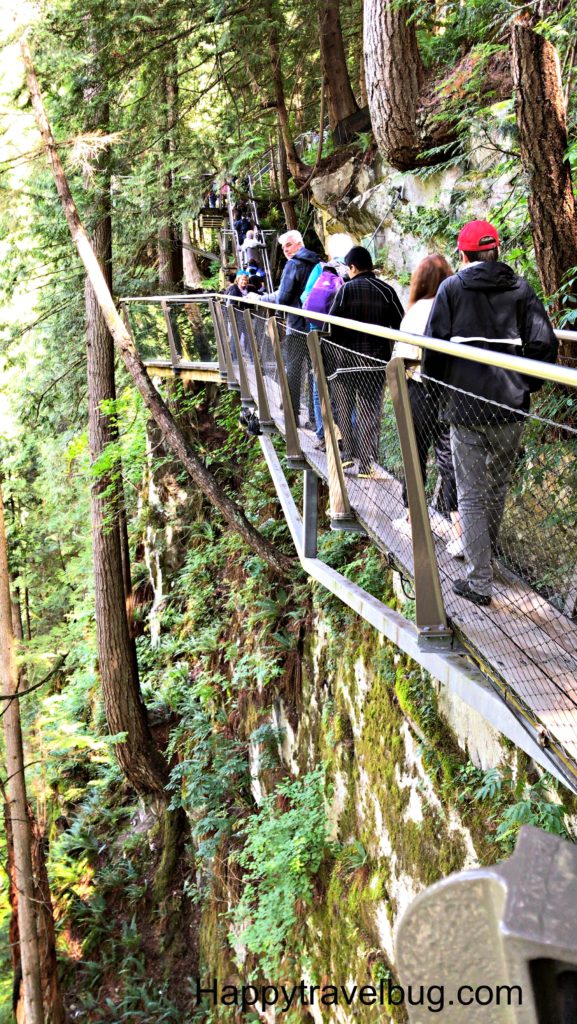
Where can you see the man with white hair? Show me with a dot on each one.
(300, 262)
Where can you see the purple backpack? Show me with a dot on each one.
(323, 291)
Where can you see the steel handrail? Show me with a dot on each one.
(529, 367)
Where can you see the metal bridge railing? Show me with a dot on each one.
(352, 420)
(174, 333)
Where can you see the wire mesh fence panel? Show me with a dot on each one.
(193, 332)
(242, 332)
(269, 368)
(227, 315)
(368, 442)
(148, 326)
(516, 486)
(517, 502)
(538, 537)
(298, 367)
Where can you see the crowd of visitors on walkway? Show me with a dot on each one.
(471, 414)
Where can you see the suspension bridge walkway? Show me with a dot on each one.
(514, 660)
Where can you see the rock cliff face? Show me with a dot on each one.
(402, 761)
(403, 216)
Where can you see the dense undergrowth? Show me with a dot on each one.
(275, 707)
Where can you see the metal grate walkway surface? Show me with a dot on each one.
(525, 641)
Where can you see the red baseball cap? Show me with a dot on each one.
(476, 236)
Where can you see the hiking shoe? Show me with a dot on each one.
(373, 472)
(464, 589)
(319, 445)
(347, 463)
(456, 548)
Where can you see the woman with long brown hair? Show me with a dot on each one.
(429, 431)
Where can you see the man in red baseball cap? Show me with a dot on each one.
(485, 304)
(477, 236)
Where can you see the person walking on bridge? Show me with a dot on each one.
(485, 304)
(300, 262)
(251, 250)
(359, 394)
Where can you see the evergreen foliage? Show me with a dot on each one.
(167, 97)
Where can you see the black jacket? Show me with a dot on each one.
(489, 306)
(293, 279)
(372, 301)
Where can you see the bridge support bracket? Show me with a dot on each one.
(434, 638)
(296, 463)
(347, 523)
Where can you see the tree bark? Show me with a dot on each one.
(288, 206)
(540, 109)
(169, 244)
(17, 801)
(139, 759)
(191, 273)
(51, 994)
(230, 511)
(341, 101)
(296, 166)
(394, 77)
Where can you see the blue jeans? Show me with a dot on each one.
(318, 416)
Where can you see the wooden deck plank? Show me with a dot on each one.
(520, 638)
(539, 664)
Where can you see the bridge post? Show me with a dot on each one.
(430, 613)
(342, 517)
(264, 415)
(173, 339)
(232, 382)
(218, 340)
(310, 513)
(295, 458)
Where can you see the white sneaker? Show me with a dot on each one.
(402, 523)
(455, 548)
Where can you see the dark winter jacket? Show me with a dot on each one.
(489, 306)
(292, 282)
(241, 226)
(235, 292)
(372, 301)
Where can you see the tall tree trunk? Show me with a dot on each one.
(137, 754)
(51, 993)
(297, 168)
(169, 245)
(206, 482)
(191, 273)
(540, 108)
(394, 76)
(288, 206)
(341, 101)
(17, 801)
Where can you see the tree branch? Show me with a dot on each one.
(203, 478)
